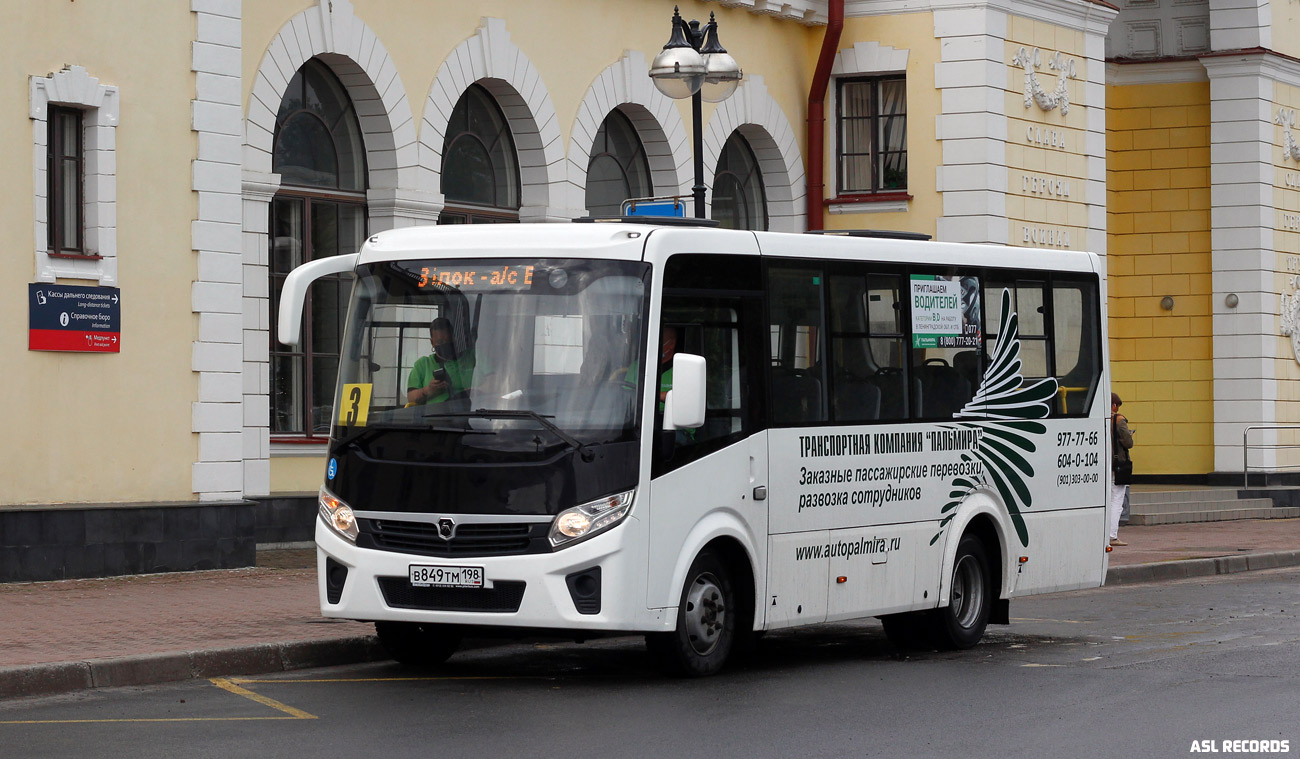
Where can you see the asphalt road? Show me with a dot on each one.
(1141, 670)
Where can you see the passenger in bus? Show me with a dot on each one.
(444, 374)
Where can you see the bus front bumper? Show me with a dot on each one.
(378, 587)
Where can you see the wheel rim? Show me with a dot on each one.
(706, 613)
(967, 592)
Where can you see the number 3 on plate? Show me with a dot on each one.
(354, 405)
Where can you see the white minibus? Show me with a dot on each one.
(699, 435)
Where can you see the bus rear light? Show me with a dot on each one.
(591, 518)
(338, 515)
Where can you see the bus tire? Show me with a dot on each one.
(706, 622)
(418, 644)
(961, 623)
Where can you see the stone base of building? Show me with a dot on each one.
(65, 542)
(286, 518)
(56, 542)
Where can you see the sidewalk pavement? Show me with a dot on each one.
(76, 634)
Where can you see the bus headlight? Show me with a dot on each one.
(581, 522)
(338, 515)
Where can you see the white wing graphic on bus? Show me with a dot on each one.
(1002, 410)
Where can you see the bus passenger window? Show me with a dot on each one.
(798, 373)
(866, 348)
(1027, 301)
(946, 367)
(1075, 344)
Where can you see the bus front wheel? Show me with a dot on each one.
(706, 622)
(417, 644)
(961, 623)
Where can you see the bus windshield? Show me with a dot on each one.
(513, 359)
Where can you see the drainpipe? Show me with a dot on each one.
(817, 116)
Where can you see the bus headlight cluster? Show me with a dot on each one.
(581, 522)
(338, 515)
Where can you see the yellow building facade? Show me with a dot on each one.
(998, 123)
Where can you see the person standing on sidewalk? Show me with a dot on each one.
(1121, 468)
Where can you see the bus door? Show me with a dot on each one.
(711, 478)
(798, 567)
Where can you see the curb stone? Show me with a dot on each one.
(152, 669)
(1163, 571)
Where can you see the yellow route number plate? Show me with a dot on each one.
(354, 405)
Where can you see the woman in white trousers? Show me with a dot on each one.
(1121, 439)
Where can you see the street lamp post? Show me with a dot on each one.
(695, 65)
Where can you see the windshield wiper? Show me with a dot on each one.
(583, 449)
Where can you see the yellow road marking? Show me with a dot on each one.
(142, 719)
(248, 680)
(1062, 621)
(226, 684)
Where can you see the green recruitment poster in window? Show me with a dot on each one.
(945, 312)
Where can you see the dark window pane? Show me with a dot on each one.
(479, 164)
(325, 372)
(617, 169)
(467, 173)
(64, 192)
(327, 308)
(287, 234)
(286, 384)
(738, 197)
(318, 141)
(607, 186)
(304, 153)
(69, 202)
(324, 229)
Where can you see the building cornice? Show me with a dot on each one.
(1253, 62)
(807, 12)
(1155, 72)
(1094, 17)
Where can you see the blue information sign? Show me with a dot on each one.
(68, 318)
(656, 207)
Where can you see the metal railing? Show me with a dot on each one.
(1246, 447)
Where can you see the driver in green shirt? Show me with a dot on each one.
(445, 373)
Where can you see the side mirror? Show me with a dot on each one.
(294, 293)
(684, 406)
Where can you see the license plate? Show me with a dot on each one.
(433, 576)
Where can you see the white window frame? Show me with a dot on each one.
(74, 88)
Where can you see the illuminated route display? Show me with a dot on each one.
(510, 276)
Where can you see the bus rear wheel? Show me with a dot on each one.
(706, 622)
(418, 644)
(961, 623)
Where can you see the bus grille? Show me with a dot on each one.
(472, 539)
(503, 598)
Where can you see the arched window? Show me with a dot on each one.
(480, 169)
(738, 198)
(618, 168)
(318, 211)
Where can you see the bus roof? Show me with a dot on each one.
(634, 242)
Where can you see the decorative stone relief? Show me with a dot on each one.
(1291, 315)
(1286, 120)
(1035, 92)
